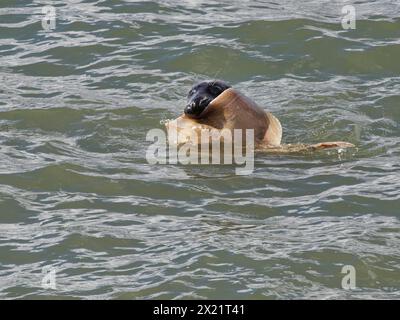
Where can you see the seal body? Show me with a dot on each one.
(216, 107)
(230, 110)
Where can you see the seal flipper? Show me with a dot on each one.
(333, 144)
(302, 147)
(273, 135)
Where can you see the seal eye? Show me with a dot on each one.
(215, 89)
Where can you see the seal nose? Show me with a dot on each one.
(196, 106)
(190, 107)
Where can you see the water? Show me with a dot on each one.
(77, 194)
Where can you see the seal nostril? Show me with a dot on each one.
(189, 108)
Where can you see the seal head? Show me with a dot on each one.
(201, 95)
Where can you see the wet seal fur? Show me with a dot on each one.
(232, 110)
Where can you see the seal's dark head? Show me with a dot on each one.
(201, 95)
